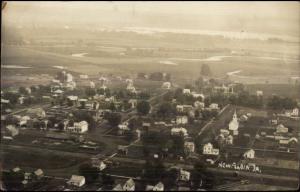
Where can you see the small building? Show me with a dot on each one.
(179, 131)
(39, 173)
(209, 150)
(214, 106)
(166, 85)
(229, 140)
(16, 169)
(133, 103)
(243, 118)
(118, 188)
(92, 85)
(189, 147)
(100, 165)
(13, 131)
(184, 108)
(123, 128)
(158, 187)
(186, 91)
(259, 93)
(77, 180)
(181, 120)
(199, 105)
(5, 101)
(292, 113)
(250, 154)
(225, 132)
(123, 149)
(184, 175)
(198, 95)
(129, 185)
(281, 129)
(83, 76)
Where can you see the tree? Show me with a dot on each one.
(165, 109)
(90, 92)
(114, 119)
(198, 174)
(22, 91)
(143, 107)
(205, 70)
(154, 170)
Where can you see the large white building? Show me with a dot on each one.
(234, 124)
(79, 127)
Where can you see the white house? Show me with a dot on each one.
(77, 180)
(100, 165)
(214, 106)
(129, 185)
(83, 76)
(281, 129)
(189, 147)
(158, 187)
(184, 175)
(199, 105)
(184, 108)
(250, 154)
(181, 120)
(179, 131)
(12, 130)
(225, 132)
(79, 127)
(92, 85)
(229, 140)
(118, 188)
(166, 85)
(198, 95)
(123, 128)
(39, 173)
(259, 93)
(133, 103)
(209, 150)
(186, 91)
(4, 101)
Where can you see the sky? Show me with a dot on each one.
(280, 18)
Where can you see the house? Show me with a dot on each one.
(123, 149)
(209, 150)
(181, 120)
(133, 103)
(12, 130)
(58, 91)
(158, 187)
(72, 98)
(5, 101)
(199, 105)
(250, 154)
(179, 131)
(118, 188)
(129, 185)
(92, 85)
(184, 108)
(184, 175)
(21, 100)
(166, 85)
(281, 129)
(23, 120)
(77, 180)
(83, 76)
(189, 147)
(131, 88)
(16, 169)
(214, 106)
(123, 128)
(273, 121)
(234, 124)
(292, 113)
(186, 91)
(229, 140)
(243, 118)
(225, 132)
(100, 165)
(198, 95)
(39, 173)
(259, 93)
(79, 127)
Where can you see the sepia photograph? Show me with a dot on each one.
(150, 96)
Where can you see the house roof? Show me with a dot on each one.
(76, 178)
(39, 172)
(130, 182)
(118, 188)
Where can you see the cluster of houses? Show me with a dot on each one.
(29, 176)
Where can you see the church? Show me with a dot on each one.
(234, 124)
